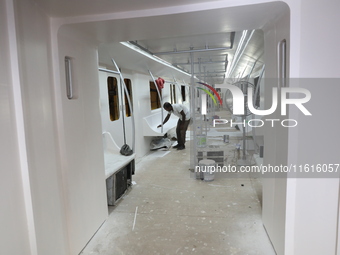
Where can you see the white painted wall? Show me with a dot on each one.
(310, 206)
(80, 137)
(142, 108)
(13, 220)
(314, 208)
(275, 139)
(307, 207)
(34, 57)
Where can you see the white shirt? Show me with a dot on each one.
(177, 108)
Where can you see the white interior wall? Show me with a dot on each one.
(13, 219)
(80, 137)
(34, 57)
(275, 139)
(315, 206)
(32, 18)
(142, 108)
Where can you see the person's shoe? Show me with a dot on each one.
(182, 147)
(175, 147)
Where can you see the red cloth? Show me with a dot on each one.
(160, 83)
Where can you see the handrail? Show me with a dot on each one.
(107, 70)
(160, 99)
(130, 105)
(110, 136)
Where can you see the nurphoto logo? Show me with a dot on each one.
(239, 106)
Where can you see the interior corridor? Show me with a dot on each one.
(167, 211)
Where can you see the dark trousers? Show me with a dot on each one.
(181, 130)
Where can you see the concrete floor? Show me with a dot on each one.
(168, 212)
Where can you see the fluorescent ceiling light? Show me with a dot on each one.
(238, 52)
(153, 57)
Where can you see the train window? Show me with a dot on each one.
(154, 98)
(183, 92)
(129, 89)
(173, 93)
(112, 89)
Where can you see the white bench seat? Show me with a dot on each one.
(151, 122)
(114, 161)
(118, 170)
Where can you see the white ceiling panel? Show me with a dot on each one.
(186, 31)
(72, 8)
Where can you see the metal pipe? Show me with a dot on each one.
(193, 116)
(107, 70)
(245, 89)
(213, 75)
(141, 47)
(251, 71)
(191, 51)
(243, 72)
(256, 94)
(122, 108)
(226, 63)
(282, 63)
(214, 72)
(200, 96)
(208, 110)
(204, 62)
(130, 105)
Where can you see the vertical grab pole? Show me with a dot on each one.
(130, 105)
(202, 118)
(160, 99)
(251, 71)
(256, 94)
(193, 116)
(244, 117)
(282, 63)
(123, 110)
